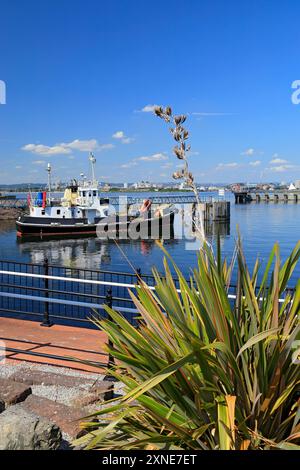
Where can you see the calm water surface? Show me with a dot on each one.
(261, 225)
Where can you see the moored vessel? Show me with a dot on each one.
(82, 212)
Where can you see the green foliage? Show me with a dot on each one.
(203, 371)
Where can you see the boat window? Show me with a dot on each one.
(83, 193)
(94, 193)
(58, 211)
(43, 212)
(90, 194)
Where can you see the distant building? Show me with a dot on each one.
(125, 185)
(143, 185)
(292, 187)
(297, 184)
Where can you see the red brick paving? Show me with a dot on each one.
(80, 343)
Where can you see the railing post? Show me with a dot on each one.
(109, 394)
(138, 274)
(46, 320)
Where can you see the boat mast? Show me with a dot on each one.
(49, 180)
(92, 159)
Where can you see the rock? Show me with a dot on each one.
(67, 418)
(2, 406)
(22, 430)
(12, 392)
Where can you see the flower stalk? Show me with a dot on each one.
(180, 135)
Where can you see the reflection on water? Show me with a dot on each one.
(93, 253)
(261, 225)
(89, 253)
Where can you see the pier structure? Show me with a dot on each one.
(276, 196)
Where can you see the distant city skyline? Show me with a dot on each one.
(86, 77)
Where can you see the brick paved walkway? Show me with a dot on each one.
(81, 343)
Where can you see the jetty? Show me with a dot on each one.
(276, 196)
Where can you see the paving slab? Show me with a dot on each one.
(65, 417)
(12, 392)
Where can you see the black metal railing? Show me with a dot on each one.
(67, 295)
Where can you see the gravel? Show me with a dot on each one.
(57, 393)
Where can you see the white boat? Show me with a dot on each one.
(82, 212)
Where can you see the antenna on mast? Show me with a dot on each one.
(93, 160)
(49, 169)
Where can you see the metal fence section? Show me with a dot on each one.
(21, 203)
(54, 293)
(57, 294)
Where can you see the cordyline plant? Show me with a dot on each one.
(181, 149)
(203, 370)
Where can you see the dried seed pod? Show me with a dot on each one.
(179, 153)
(185, 134)
(183, 118)
(177, 120)
(158, 111)
(168, 111)
(177, 136)
(177, 175)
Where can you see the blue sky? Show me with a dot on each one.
(81, 75)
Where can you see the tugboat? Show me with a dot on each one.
(82, 212)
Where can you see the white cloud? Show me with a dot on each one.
(120, 135)
(147, 158)
(277, 161)
(40, 149)
(167, 165)
(149, 108)
(66, 148)
(281, 168)
(256, 163)
(249, 152)
(129, 164)
(82, 145)
(227, 165)
(19, 167)
(39, 162)
(154, 157)
(105, 147)
(128, 140)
